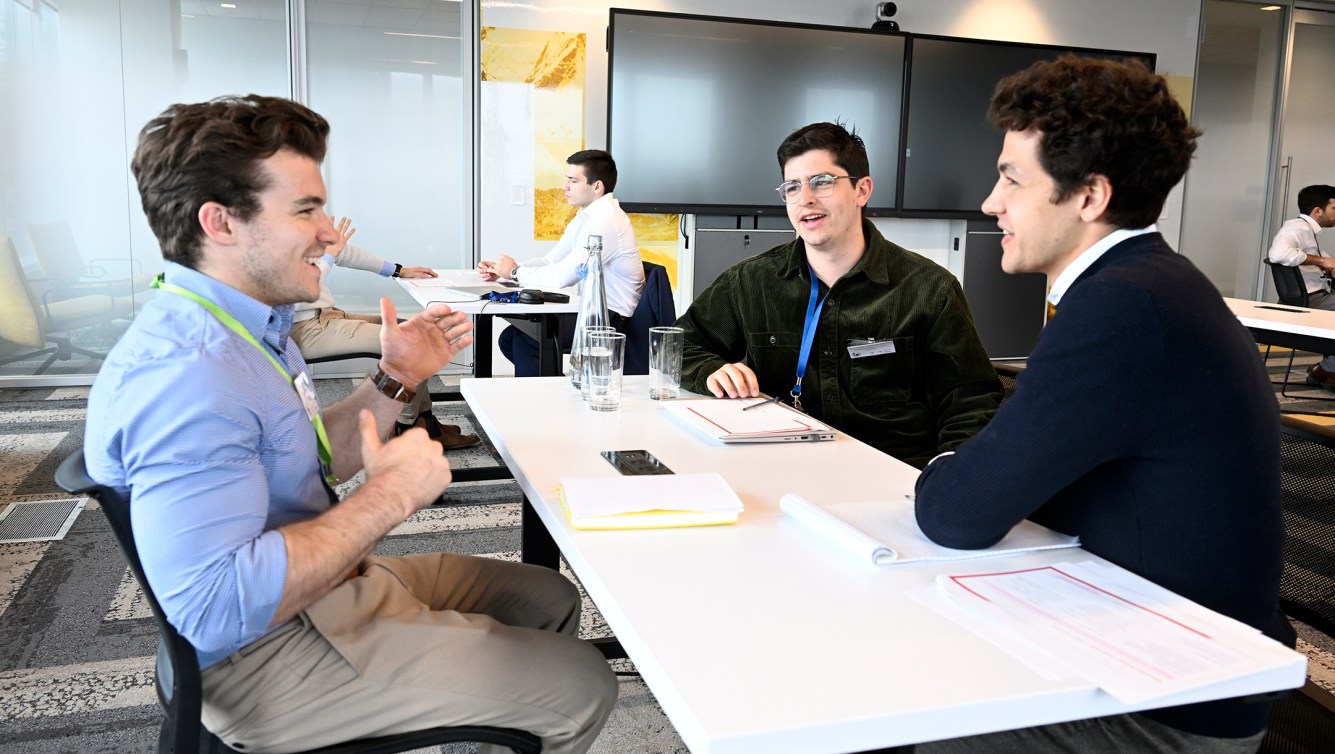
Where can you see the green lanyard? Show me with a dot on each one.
(326, 455)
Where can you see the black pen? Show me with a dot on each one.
(775, 399)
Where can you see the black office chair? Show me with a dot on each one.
(178, 673)
(656, 309)
(1304, 721)
(1007, 373)
(1289, 285)
(1292, 291)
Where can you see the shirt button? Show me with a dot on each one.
(833, 302)
(773, 340)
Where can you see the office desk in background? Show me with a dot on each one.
(758, 637)
(1286, 326)
(429, 290)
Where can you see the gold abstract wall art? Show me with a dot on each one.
(553, 63)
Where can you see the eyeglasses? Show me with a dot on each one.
(821, 186)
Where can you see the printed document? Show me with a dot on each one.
(1130, 637)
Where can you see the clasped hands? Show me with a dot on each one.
(503, 267)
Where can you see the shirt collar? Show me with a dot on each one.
(875, 261)
(1088, 257)
(263, 322)
(1316, 227)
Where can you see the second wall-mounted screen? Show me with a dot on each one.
(951, 151)
(697, 107)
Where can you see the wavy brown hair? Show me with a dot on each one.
(211, 152)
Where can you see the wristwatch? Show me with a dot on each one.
(514, 274)
(390, 387)
(398, 268)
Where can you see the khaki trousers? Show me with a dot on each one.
(334, 332)
(417, 642)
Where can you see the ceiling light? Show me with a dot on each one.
(1271, 7)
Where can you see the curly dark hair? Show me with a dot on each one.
(849, 152)
(211, 152)
(598, 166)
(1101, 117)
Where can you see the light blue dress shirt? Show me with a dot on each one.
(214, 450)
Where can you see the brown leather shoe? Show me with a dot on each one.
(1318, 377)
(450, 436)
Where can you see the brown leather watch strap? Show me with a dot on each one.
(391, 387)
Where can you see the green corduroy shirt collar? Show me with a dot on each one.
(875, 263)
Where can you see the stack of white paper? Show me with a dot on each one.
(650, 501)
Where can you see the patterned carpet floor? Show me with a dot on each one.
(76, 639)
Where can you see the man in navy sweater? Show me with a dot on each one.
(1143, 422)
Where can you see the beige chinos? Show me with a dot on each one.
(416, 642)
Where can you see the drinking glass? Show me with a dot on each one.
(605, 360)
(665, 362)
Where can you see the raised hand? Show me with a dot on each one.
(413, 350)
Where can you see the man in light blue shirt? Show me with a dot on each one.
(204, 416)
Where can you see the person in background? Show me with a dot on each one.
(321, 329)
(591, 175)
(205, 419)
(1111, 435)
(856, 331)
(1296, 245)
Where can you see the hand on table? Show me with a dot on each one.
(733, 381)
(417, 272)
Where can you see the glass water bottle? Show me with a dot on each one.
(592, 307)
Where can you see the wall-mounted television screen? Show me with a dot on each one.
(950, 151)
(697, 107)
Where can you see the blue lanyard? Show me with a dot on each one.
(322, 439)
(814, 306)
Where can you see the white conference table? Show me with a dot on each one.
(759, 638)
(427, 291)
(1286, 326)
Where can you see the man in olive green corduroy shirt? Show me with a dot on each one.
(893, 360)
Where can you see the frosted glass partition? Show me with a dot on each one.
(387, 78)
(80, 78)
(1310, 111)
(1224, 224)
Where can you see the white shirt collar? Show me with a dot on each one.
(1088, 257)
(1313, 224)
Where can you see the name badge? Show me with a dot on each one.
(306, 391)
(859, 348)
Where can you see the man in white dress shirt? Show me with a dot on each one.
(1296, 245)
(591, 175)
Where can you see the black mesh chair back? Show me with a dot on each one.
(178, 674)
(1304, 722)
(1289, 285)
(1007, 373)
(1307, 591)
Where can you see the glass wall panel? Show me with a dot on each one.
(1309, 111)
(78, 79)
(386, 75)
(1224, 226)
